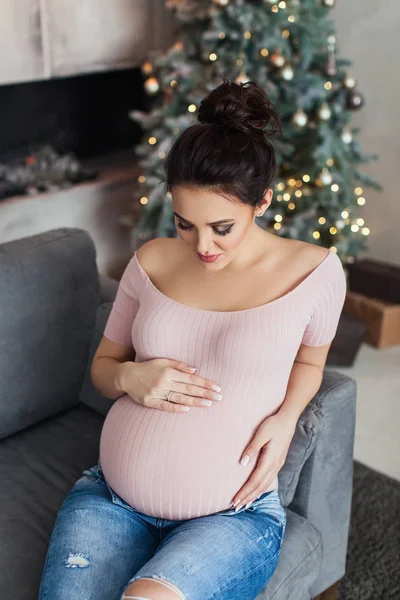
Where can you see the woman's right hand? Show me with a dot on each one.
(149, 382)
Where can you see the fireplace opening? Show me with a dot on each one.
(50, 128)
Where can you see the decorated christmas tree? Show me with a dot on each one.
(289, 48)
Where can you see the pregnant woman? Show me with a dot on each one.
(216, 342)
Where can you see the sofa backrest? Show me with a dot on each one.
(49, 292)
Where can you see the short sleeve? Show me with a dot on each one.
(125, 306)
(327, 307)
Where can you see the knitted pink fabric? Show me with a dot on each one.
(186, 465)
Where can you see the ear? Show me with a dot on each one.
(266, 201)
(268, 195)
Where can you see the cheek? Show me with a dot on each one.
(235, 238)
(230, 241)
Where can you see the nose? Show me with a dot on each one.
(204, 246)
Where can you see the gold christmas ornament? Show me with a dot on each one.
(242, 78)
(300, 118)
(277, 59)
(151, 85)
(147, 68)
(324, 112)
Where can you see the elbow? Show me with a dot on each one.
(93, 374)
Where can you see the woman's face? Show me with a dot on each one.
(196, 215)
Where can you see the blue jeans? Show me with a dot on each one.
(100, 544)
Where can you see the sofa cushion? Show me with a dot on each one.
(299, 561)
(38, 467)
(48, 298)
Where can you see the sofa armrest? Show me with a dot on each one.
(324, 491)
(108, 288)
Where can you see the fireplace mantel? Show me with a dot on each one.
(44, 39)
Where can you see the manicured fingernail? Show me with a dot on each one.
(248, 504)
(238, 508)
(234, 504)
(216, 388)
(245, 460)
(192, 369)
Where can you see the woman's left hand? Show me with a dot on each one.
(273, 438)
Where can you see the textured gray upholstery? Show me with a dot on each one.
(38, 466)
(52, 423)
(48, 298)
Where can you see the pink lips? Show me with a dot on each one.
(208, 259)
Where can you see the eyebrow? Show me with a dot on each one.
(215, 222)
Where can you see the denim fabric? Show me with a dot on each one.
(100, 544)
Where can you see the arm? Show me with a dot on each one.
(273, 437)
(304, 382)
(115, 353)
(308, 367)
(108, 367)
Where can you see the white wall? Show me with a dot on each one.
(368, 35)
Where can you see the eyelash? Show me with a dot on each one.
(226, 232)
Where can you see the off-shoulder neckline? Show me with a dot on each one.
(236, 312)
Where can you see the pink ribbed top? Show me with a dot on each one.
(187, 465)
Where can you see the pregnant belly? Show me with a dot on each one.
(176, 465)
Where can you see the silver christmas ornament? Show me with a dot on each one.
(300, 118)
(287, 72)
(349, 82)
(324, 112)
(326, 177)
(346, 135)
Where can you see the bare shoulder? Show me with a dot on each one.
(304, 253)
(158, 251)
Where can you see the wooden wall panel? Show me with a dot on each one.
(42, 39)
(21, 55)
(96, 35)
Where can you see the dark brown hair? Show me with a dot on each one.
(229, 152)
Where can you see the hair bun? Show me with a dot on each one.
(243, 106)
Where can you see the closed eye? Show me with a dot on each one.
(187, 228)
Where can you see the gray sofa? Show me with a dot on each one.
(53, 309)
